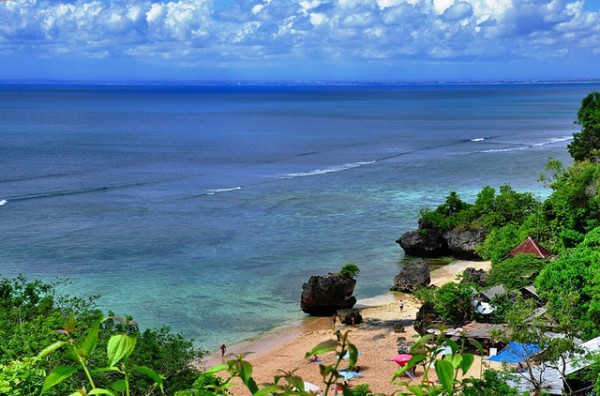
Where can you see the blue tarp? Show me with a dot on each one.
(516, 353)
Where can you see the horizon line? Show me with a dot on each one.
(166, 82)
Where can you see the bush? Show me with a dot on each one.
(350, 270)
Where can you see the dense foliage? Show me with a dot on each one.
(491, 210)
(576, 273)
(515, 272)
(33, 316)
(586, 144)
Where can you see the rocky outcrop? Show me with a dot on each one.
(424, 243)
(473, 275)
(426, 317)
(349, 317)
(462, 243)
(428, 241)
(414, 274)
(323, 295)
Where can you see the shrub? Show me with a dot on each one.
(350, 270)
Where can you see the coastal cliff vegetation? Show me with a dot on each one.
(57, 345)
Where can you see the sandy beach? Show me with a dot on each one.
(375, 338)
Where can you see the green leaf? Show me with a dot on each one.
(217, 369)
(467, 362)
(88, 344)
(415, 389)
(57, 376)
(445, 371)
(50, 348)
(325, 346)
(119, 346)
(267, 390)
(119, 385)
(353, 354)
(100, 391)
(148, 372)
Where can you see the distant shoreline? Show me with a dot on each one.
(249, 83)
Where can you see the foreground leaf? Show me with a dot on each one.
(119, 346)
(57, 376)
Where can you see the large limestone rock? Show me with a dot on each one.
(414, 274)
(424, 243)
(462, 243)
(323, 295)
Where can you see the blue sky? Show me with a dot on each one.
(205, 40)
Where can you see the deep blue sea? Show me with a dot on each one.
(205, 208)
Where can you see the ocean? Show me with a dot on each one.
(205, 208)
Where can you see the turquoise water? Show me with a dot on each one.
(207, 208)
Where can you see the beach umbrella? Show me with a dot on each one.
(309, 387)
(402, 359)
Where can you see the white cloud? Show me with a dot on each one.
(193, 32)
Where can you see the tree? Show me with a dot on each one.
(586, 144)
(515, 272)
(575, 275)
(573, 209)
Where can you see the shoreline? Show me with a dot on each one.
(283, 349)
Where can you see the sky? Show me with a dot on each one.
(299, 40)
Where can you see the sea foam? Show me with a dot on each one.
(332, 169)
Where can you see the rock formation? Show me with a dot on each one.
(349, 316)
(413, 275)
(323, 295)
(476, 276)
(462, 243)
(424, 243)
(428, 241)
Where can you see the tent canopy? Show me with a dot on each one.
(516, 353)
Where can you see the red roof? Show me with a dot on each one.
(529, 246)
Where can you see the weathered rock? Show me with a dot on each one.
(425, 317)
(349, 316)
(414, 275)
(323, 295)
(462, 243)
(473, 275)
(403, 347)
(424, 242)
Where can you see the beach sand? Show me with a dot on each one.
(285, 351)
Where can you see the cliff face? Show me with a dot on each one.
(427, 241)
(323, 295)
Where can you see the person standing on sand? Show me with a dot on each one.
(401, 305)
(223, 349)
(334, 319)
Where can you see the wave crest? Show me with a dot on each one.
(332, 169)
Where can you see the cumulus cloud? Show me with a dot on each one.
(196, 32)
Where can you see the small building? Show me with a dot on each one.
(489, 294)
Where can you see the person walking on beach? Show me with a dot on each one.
(401, 305)
(334, 319)
(223, 349)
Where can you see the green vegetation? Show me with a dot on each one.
(34, 318)
(586, 144)
(516, 272)
(350, 270)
